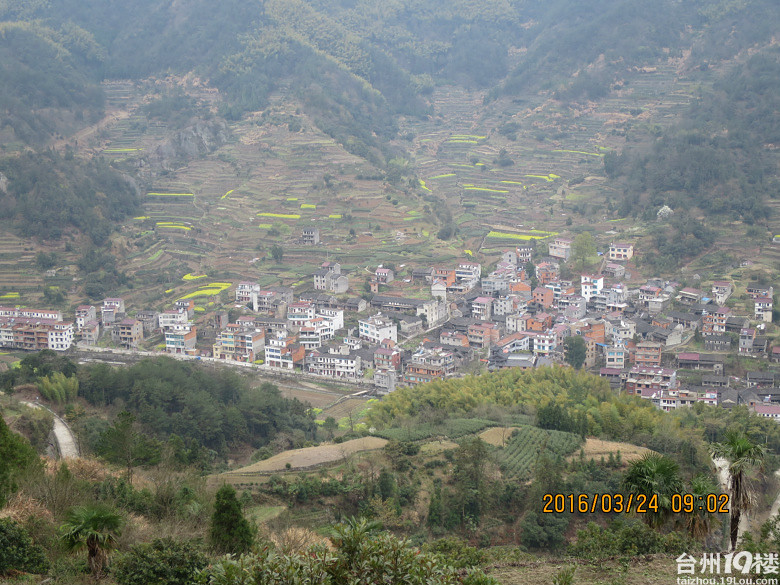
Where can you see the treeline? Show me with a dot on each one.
(569, 400)
(213, 407)
(717, 159)
(49, 193)
(43, 72)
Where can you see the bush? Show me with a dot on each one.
(161, 562)
(18, 552)
(628, 538)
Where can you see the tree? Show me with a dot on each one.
(743, 457)
(576, 351)
(277, 253)
(16, 455)
(654, 475)
(229, 532)
(583, 248)
(95, 527)
(164, 561)
(330, 426)
(699, 521)
(122, 443)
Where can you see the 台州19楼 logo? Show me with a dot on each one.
(727, 569)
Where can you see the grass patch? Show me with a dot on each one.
(280, 215)
(452, 428)
(444, 176)
(156, 255)
(10, 295)
(507, 235)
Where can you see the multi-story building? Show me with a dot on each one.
(615, 356)
(283, 351)
(334, 365)
(377, 328)
(481, 308)
(591, 285)
(722, 290)
(239, 344)
(384, 275)
(113, 309)
(181, 339)
(547, 272)
(560, 248)
(621, 251)
(310, 236)
(714, 323)
(544, 343)
(35, 334)
(172, 318)
(482, 334)
(46, 314)
(429, 364)
(84, 314)
(763, 309)
(543, 296)
(90, 332)
(301, 312)
(128, 333)
(648, 353)
(651, 378)
(331, 278)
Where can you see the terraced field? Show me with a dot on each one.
(267, 183)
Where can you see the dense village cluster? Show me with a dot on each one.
(445, 321)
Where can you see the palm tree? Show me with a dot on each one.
(743, 456)
(699, 521)
(94, 527)
(654, 475)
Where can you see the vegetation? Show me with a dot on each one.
(229, 531)
(163, 561)
(94, 528)
(20, 553)
(214, 408)
(743, 456)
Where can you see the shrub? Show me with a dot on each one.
(162, 562)
(18, 552)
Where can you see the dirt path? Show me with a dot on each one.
(68, 447)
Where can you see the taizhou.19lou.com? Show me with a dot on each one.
(729, 569)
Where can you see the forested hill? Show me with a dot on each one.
(381, 56)
(355, 67)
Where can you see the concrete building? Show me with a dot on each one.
(376, 329)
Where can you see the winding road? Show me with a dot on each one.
(66, 440)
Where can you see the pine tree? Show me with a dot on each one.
(230, 532)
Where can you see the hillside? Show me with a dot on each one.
(414, 130)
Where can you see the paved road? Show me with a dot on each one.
(66, 440)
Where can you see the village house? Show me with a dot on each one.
(591, 285)
(239, 343)
(621, 251)
(763, 309)
(334, 365)
(721, 291)
(310, 236)
(181, 339)
(547, 272)
(113, 309)
(35, 334)
(560, 248)
(84, 314)
(647, 353)
(429, 364)
(375, 329)
(128, 333)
